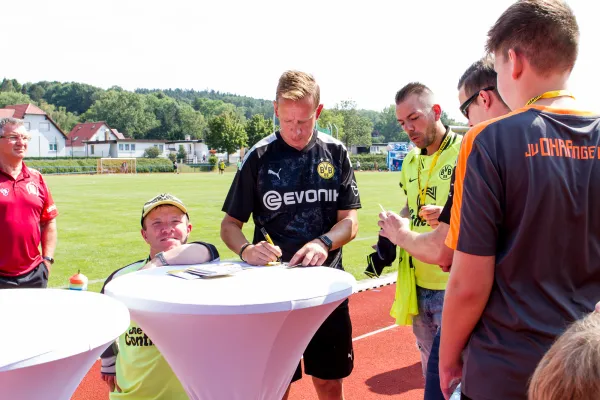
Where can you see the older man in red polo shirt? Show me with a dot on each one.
(27, 214)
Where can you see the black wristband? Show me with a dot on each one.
(242, 251)
(326, 241)
(49, 259)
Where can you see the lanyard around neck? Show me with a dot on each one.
(550, 95)
(423, 192)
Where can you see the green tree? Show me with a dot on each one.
(12, 98)
(211, 108)
(164, 109)
(226, 133)
(64, 119)
(129, 112)
(191, 122)
(257, 128)
(177, 119)
(151, 152)
(172, 157)
(212, 160)
(75, 97)
(181, 154)
(357, 129)
(332, 117)
(36, 92)
(446, 120)
(245, 106)
(372, 115)
(7, 86)
(16, 85)
(387, 126)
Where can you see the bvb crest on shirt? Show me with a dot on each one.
(325, 170)
(446, 172)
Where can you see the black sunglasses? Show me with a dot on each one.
(465, 106)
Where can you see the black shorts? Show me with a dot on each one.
(329, 354)
(36, 278)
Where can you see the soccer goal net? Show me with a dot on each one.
(116, 166)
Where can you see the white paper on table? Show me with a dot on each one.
(214, 269)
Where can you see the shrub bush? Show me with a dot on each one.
(367, 161)
(151, 152)
(88, 165)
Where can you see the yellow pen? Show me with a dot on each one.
(266, 235)
(268, 239)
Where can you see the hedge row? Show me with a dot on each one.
(380, 158)
(367, 161)
(30, 159)
(145, 165)
(88, 165)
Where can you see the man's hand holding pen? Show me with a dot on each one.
(261, 253)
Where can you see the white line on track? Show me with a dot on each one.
(366, 335)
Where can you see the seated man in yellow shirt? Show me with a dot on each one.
(132, 366)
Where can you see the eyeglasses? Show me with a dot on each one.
(464, 107)
(15, 138)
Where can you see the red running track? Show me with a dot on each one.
(387, 364)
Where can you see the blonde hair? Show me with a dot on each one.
(297, 85)
(570, 370)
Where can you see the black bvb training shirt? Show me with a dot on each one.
(294, 194)
(527, 192)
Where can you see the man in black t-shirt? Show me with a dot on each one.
(298, 184)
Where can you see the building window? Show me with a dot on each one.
(53, 147)
(121, 146)
(92, 149)
(44, 126)
(133, 147)
(127, 147)
(161, 148)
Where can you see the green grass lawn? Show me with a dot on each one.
(99, 221)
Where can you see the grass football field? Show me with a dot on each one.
(99, 221)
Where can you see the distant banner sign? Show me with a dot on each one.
(398, 146)
(396, 153)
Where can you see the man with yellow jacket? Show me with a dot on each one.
(425, 179)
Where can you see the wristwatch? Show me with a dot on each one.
(49, 259)
(326, 241)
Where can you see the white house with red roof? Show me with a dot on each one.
(47, 139)
(98, 139)
(86, 132)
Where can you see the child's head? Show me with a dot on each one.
(571, 368)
